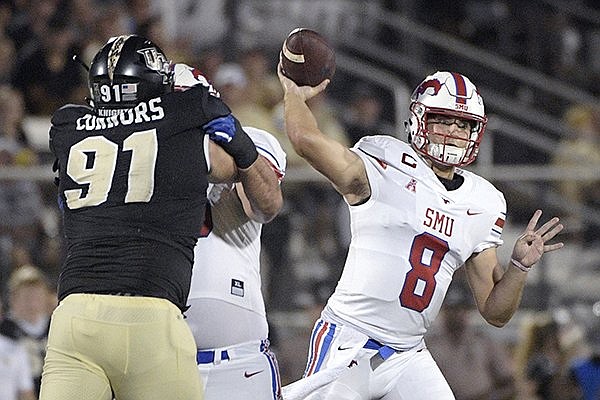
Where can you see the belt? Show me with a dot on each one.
(242, 350)
(208, 356)
(384, 351)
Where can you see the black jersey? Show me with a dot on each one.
(132, 189)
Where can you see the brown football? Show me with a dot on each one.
(307, 58)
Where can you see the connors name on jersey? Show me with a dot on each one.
(145, 111)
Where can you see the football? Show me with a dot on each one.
(307, 58)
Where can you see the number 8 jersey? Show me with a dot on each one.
(408, 239)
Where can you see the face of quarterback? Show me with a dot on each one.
(447, 119)
(449, 130)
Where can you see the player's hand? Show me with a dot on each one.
(304, 92)
(532, 244)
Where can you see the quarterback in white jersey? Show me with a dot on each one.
(227, 310)
(415, 218)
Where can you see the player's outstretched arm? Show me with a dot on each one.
(344, 169)
(498, 295)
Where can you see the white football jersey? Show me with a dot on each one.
(227, 259)
(408, 239)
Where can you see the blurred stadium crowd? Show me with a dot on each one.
(235, 44)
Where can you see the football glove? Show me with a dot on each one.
(228, 133)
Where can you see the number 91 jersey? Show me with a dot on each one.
(408, 239)
(132, 189)
(127, 170)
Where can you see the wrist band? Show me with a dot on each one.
(519, 265)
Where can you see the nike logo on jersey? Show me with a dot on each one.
(251, 374)
(469, 212)
(344, 348)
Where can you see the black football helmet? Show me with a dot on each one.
(128, 69)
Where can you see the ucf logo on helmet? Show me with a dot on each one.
(156, 61)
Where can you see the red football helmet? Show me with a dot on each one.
(448, 94)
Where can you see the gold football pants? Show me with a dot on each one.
(132, 348)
